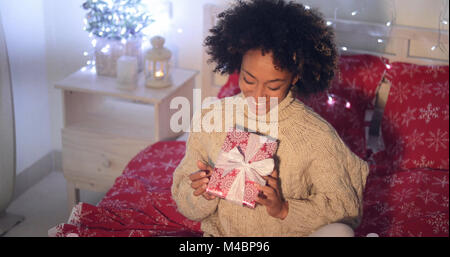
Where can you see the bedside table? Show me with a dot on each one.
(105, 127)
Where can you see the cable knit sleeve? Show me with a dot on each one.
(193, 207)
(336, 178)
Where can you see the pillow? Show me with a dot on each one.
(415, 124)
(358, 79)
(230, 88)
(344, 116)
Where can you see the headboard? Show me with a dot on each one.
(397, 41)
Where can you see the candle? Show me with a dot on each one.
(127, 70)
(159, 75)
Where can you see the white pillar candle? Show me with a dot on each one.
(127, 72)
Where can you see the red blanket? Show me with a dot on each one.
(139, 203)
(405, 203)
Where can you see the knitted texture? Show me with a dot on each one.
(322, 180)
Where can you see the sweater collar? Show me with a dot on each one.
(284, 109)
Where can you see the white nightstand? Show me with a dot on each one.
(105, 127)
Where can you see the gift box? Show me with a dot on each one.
(244, 159)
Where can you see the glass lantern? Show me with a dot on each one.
(157, 70)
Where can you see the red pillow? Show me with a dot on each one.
(230, 88)
(344, 116)
(358, 78)
(415, 125)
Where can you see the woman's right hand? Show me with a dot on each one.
(200, 180)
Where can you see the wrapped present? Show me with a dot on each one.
(244, 159)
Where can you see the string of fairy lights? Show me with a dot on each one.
(442, 21)
(125, 19)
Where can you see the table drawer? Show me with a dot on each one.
(97, 156)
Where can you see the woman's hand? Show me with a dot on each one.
(271, 197)
(200, 180)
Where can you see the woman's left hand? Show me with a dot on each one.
(271, 197)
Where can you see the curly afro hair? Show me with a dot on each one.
(298, 38)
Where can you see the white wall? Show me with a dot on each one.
(23, 22)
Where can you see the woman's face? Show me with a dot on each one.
(260, 78)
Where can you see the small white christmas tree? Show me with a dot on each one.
(116, 19)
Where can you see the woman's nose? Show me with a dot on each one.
(259, 92)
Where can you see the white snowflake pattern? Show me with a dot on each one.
(165, 151)
(400, 92)
(409, 70)
(421, 89)
(429, 113)
(348, 64)
(142, 156)
(410, 209)
(423, 162)
(444, 202)
(352, 88)
(402, 195)
(427, 196)
(419, 177)
(408, 116)
(437, 140)
(415, 139)
(436, 70)
(442, 182)
(369, 72)
(441, 89)
(393, 180)
(169, 165)
(148, 166)
(439, 222)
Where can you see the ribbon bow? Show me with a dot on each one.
(235, 159)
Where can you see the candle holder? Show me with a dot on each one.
(157, 69)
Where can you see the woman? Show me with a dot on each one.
(281, 49)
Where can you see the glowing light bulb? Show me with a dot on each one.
(388, 66)
(94, 42)
(348, 105)
(329, 23)
(106, 49)
(307, 7)
(344, 48)
(123, 41)
(445, 22)
(331, 100)
(380, 41)
(433, 48)
(85, 53)
(354, 13)
(389, 23)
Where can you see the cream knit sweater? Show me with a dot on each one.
(322, 180)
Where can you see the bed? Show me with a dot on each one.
(391, 109)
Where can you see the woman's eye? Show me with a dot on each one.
(248, 82)
(274, 89)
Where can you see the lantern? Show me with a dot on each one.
(157, 70)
